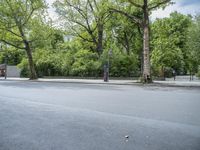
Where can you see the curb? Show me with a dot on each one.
(85, 82)
(135, 83)
(75, 82)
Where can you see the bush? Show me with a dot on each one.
(121, 64)
(86, 64)
(24, 68)
(198, 73)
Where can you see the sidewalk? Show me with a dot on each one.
(90, 81)
(84, 81)
(182, 83)
(179, 83)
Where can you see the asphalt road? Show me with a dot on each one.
(64, 116)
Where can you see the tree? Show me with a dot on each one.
(193, 46)
(85, 19)
(15, 25)
(169, 36)
(146, 7)
(125, 35)
(86, 63)
(12, 55)
(44, 35)
(165, 56)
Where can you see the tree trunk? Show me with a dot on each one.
(146, 57)
(127, 46)
(146, 60)
(33, 74)
(100, 39)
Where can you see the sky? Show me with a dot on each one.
(183, 6)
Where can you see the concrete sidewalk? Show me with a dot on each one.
(84, 81)
(179, 83)
(182, 83)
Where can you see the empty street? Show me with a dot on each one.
(73, 116)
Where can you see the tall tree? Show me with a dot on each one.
(15, 21)
(145, 7)
(193, 46)
(85, 16)
(126, 35)
(169, 36)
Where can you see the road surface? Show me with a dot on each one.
(64, 116)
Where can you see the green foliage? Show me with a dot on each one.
(49, 63)
(193, 46)
(92, 27)
(198, 74)
(165, 54)
(121, 64)
(13, 56)
(85, 20)
(17, 19)
(44, 36)
(126, 35)
(124, 65)
(63, 63)
(169, 36)
(16, 25)
(85, 64)
(24, 68)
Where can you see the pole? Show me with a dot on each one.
(6, 68)
(109, 55)
(108, 67)
(105, 76)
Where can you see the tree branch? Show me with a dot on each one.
(156, 5)
(80, 11)
(96, 5)
(135, 4)
(82, 25)
(6, 42)
(11, 32)
(134, 18)
(31, 13)
(79, 35)
(90, 4)
(29, 16)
